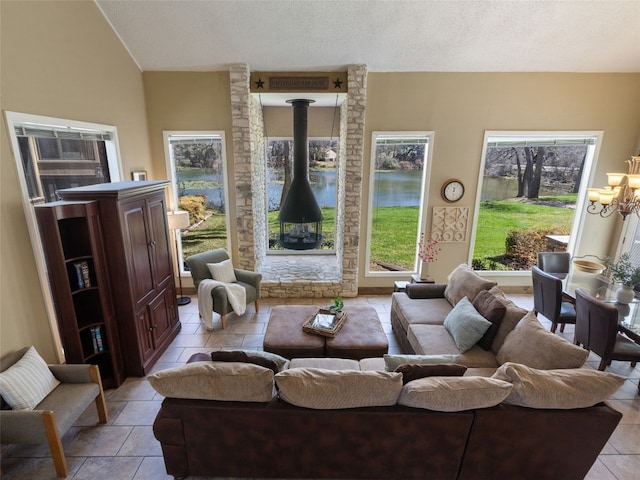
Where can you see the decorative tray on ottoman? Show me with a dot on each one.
(325, 323)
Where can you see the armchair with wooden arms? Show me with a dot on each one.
(80, 386)
(249, 280)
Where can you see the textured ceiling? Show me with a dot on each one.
(386, 35)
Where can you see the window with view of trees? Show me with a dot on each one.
(399, 165)
(529, 188)
(197, 164)
(322, 177)
(56, 159)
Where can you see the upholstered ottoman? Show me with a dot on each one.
(284, 334)
(361, 336)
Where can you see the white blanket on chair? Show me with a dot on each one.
(236, 294)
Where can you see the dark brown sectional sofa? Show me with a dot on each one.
(278, 440)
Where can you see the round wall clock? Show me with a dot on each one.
(452, 190)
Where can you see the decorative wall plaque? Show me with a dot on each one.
(449, 224)
(317, 82)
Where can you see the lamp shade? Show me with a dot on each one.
(178, 220)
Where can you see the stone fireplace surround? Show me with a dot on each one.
(298, 274)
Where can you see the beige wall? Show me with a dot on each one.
(59, 59)
(460, 107)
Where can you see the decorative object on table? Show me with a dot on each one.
(620, 195)
(588, 266)
(427, 253)
(625, 273)
(336, 305)
(177, 221)
(325, 322)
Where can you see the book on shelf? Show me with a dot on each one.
(79, 274)
(96, 337)
(85, 274)
(82, 274)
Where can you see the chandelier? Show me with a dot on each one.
(622, 195)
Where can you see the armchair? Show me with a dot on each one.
(199, 271)
(80, 385)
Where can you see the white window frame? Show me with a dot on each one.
(171, 170)
(424, 196)
(588, 174)
(115, 171)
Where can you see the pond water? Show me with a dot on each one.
(400, 188)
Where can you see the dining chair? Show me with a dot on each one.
(600, 320)
(548, 299)
(554, 262)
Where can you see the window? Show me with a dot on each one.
(56, 157)
(197, 163)
(322, 177)
(54, 153)
(528, 193)
(396, 201)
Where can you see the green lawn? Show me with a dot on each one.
(496, 218)
(394, 229)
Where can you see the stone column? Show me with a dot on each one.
(354, 127)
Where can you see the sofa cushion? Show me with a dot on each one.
(223, 271)
(453, 394)
(375, 363)
(27, 382)
(512, 316)
(243, 357)
(493, 310)
(465, 325)
(326, 363)
(430, 311)
(531, 344)
(564, 388)
(411, 372)
(327, 389)
(227, 381)
(391, 362)
(434, 340)
(464, 282)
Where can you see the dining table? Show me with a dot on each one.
(604, 290)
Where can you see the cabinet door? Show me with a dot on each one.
(160, 315)
(139, 240)
(145, 335)
(161, 254)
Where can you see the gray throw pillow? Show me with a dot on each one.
(465, 325)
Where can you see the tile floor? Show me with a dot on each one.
(125, 449)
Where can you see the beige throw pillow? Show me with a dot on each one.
(226, 381)
(464, 282)
(454, 394)
(564, 389)
(329, 389)
(223, 271)
(25, 384)
(533, 345)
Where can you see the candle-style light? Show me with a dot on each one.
(622, 194)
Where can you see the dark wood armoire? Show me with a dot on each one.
(138, 266)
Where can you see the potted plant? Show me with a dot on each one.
(336, 305)
(626, 274)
